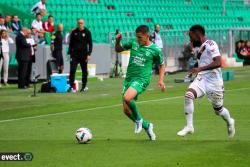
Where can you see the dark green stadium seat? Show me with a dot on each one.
(179, 14)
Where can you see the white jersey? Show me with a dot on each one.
(37, 25)
(5, 44)
(158, 40)
(208, 50)
(31, 41)
(37, 7)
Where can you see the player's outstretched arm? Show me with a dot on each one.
(161, 77)
(118, 47)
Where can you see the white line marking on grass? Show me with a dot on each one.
(89, 109)
(60, 113)
(168, 86)
(103, 107)
(104, 94)
(23, 107)
(231, 90)
(40, 105)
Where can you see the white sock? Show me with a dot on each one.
(189, 108)
(225, 115)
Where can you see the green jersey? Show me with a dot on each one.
(141, 61)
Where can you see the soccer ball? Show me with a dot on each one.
(83, 135)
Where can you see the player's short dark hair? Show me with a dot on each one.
(143, 29)
(38, 14)
(198, 28)
(50, 16)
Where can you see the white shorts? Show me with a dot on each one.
(214, 91)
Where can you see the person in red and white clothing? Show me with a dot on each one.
(208, 81)
(48, 25)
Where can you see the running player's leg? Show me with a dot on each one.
(195, 90)
(189, 110)
(126, 108)
(217, 98)
(129, 100)
(128, 112)
(130, 109)
(189, 106)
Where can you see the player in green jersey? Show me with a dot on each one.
(143, 53)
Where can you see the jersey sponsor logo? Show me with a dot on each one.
(147, 53)
(140, 61)
(151, 52)
(135, 84)
(135, 48)
(210, 42)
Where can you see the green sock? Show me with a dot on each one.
(135, 112)
(130, 116)
(145, 124)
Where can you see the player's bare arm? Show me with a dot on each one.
(215, 64)
(161, 78)
(118, 47)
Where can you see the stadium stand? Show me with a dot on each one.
(104, 16)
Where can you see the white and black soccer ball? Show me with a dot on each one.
(83, 135)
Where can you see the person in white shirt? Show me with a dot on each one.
(2, 25)
(38, 25)
(67, 36)
(34, 35)
(4, 61)
(30, 40)
(207, 82)
(156, 38)
(39, 7)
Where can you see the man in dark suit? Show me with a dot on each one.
(23, 56)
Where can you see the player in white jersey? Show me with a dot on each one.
(208, 81)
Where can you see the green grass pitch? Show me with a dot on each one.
(45, 125)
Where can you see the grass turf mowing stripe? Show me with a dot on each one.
(103, 107)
